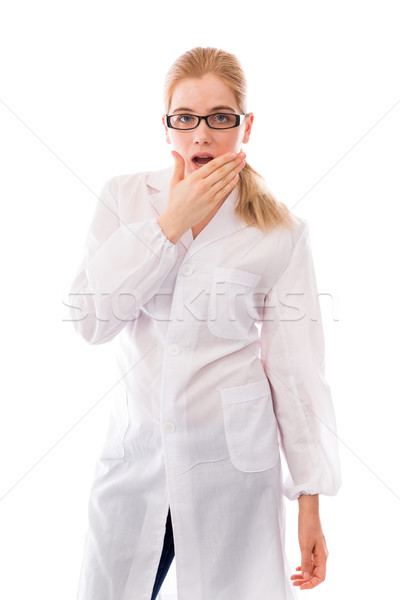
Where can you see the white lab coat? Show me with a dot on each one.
(210, 397)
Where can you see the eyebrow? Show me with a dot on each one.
(210, 110)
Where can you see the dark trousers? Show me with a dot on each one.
(167, 556)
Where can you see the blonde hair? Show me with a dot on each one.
(256, 206)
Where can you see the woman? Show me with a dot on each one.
(182, 264)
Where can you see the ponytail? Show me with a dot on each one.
(257, 206)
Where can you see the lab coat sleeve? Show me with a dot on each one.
(124, 265)
(292, 354)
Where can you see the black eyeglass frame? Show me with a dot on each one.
(239, 120)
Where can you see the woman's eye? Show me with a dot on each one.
(221, 120)
(188, 117)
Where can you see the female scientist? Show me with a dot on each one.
(207, 284)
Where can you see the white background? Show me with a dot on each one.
(81, 101)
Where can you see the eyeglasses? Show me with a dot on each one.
(215, 121)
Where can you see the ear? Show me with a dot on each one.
(248, 125)
(166, 130)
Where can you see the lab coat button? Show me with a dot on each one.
(187, 269)
(169, 427)
(174, 349)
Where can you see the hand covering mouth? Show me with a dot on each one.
(202, 158)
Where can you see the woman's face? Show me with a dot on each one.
(203, 97)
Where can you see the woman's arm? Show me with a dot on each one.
(292, 353)
(124, 265)
(314, 552)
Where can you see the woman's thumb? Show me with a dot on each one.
(306, 567)
(179, 171)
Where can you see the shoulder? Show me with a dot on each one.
(137, 196)
(284, 245)
(300, 229)
(128, 182)
(288, 238)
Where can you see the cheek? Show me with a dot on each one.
(232, 144)
(178, 143)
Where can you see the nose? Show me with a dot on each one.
(203, 133)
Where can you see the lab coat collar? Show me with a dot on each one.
(223, 223)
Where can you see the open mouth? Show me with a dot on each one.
(201, 159)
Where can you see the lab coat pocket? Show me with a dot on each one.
(231, 311)
(250, 426)
(113, 446)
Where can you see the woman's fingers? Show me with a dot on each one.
(314, 580)
(217, 169)
(227, 178)
(317, 572)
(297, 576)
(191, 198)
(225, 162)
(224, 173)
(226, 189)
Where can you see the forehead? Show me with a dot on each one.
(203, 94)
